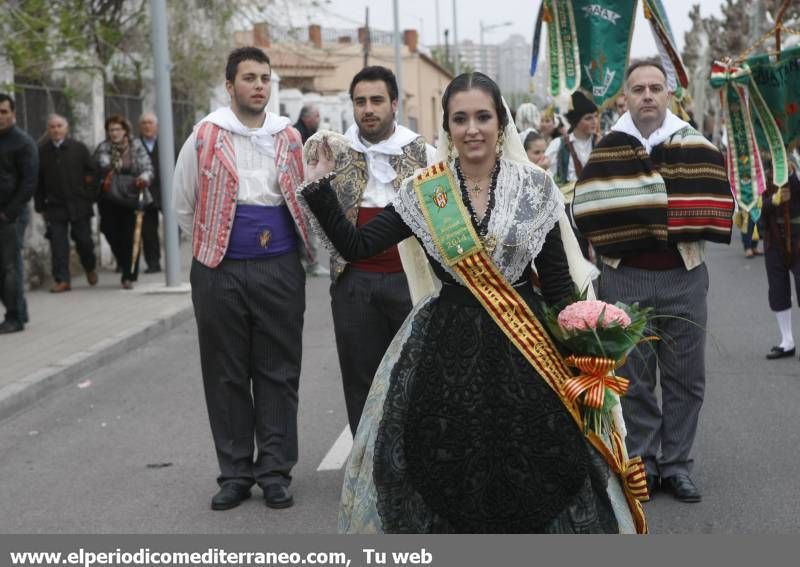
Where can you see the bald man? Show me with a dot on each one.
(65, 197)
(148, 134)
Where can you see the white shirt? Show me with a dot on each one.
(583, 149)
(377, 194)
(258, 178)
(149, 143)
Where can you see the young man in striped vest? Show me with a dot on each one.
(653, 192)
(235, 193)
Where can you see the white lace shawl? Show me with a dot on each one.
(527, 206)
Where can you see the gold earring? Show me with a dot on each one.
(500, 141)
(450, 149)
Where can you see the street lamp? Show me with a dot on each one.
(485, 28)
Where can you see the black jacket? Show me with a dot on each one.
(67, 182)
(19, 165)
(155, 184)
(305, 132)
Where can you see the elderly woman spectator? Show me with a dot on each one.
(121, 154)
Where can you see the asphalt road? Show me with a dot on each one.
(128, 448)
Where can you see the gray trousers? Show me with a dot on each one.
(250, 325)
(680, 297)
(368, 310)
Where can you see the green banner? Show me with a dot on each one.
(779, 85)
(552, 48)
(751, 126)
(604, 29)
(742, 161)
(564, 53)
(677, 77)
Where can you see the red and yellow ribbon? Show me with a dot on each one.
(596, 376)
(630, 471)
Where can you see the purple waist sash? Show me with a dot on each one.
(261, 232)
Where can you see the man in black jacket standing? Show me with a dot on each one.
(19, 164)
(148, 134)
(308, 121)
(64, 197)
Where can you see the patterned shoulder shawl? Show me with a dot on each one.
(352, 176)
(627, 201)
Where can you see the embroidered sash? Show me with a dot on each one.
(462, 250)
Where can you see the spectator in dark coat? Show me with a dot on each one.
(308, 122)
(19, 162)
(148, 135)
(65, 197)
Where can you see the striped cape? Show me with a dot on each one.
(627, 201)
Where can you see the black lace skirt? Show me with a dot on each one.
(473, 440)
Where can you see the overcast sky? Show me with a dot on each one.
(421, 15)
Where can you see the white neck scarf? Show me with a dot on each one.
(670, 125)
(377, 155)
(262, 137)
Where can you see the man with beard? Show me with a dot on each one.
(235, 192)
(369, 299)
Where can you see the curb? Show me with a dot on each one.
(26, 391)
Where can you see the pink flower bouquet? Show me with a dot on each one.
(598, 337)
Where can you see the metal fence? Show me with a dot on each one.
(183, 118)
(129, 106)
(34, 103)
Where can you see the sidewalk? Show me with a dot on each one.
(73, 333)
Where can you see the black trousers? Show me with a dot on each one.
(368, 309)
(117, 224)
(81, 232)
(779, 275)
(250, 326)
(150, 242)
(9, 280)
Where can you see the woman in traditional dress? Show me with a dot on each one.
(461, 433)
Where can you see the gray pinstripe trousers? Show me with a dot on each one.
(250, 326)
(679, 357)
(368, 309)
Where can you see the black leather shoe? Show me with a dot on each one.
(230, 496)
(277, 496)
(9, 326)
(153, 270)
(778, 352)
(681, 487)
(652, 484)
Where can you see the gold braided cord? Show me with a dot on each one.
(777, 29)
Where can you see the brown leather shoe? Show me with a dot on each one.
(127, 284)
(91, 277)
(60, 287)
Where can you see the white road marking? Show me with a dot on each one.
(338, 453)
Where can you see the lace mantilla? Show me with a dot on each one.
(527, 206)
